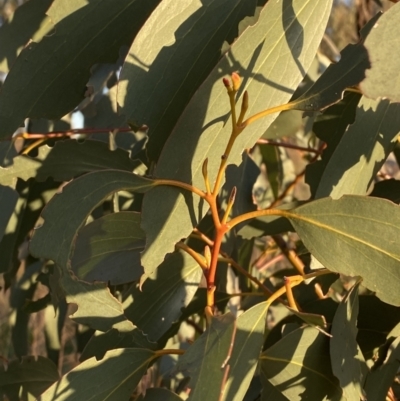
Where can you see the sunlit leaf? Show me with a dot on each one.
(355, 236)
(181, 42)
(116, 376)
(348, 364)
(362, 150)
(286, 38)
(382, 44)
(347, 72)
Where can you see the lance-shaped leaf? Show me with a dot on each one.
(380, 380)
(27, 22)
(348, 71)
(48, 78)
(116, 376)
(272, 57)
(248, 341)
(205, 361)
(299, 367)
(159, 302)
(185, 40)
(67, 211)
(355, 236)
(108, 249)
(33, 374)
(362, 150)
(66, 160)
(348, 364)
(382, 80)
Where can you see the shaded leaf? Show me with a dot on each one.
(270, 156)
(33, 374)
(160, 301)
(347, 72)
(186, 41)
(127, 367)
(379, 380)
(28, 21)
(108, 249)
(310, 318)
(381, 80)
(288, 31)
(349, 236)
(362, 150)
(204, 360)
(68, 211)
(66, 160)
(287, 124)
(330, 127)
(101, 342)
(248, 341)
(158, 394)
(347, 362)
(8, 201)
(388, 189)
(299, 367)
(60, 63)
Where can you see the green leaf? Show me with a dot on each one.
(67, 211)
(8, 201)
(101, 342)
(158, 304)
(185, 40)
(310, 318)
(362, 150)
(381, 379)
(205, 360)
(48, 78)
(288, 123)
(388, 189)
(289, 32)
(330, 127)
(158, 394)
(27, 22)
(66, 160)
(33, 374)
(299, 367)
(347, 72)
(350, 237)
(108, 249)
(382, 44)
(249, 338)
(348, 364)
(113, 378)
(272, 161)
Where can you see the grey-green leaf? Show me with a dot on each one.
(299, 367)
(171, 56)
(382, 80)
(286, 38)
(108, 249)
(355, 236)
(113, 378)
(49, 77)
(362, 150)
(348, 364)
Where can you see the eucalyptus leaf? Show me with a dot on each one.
(349, 236)
(288, 31)
(127, 367)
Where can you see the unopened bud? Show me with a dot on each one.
(235, 81)
(226, 83)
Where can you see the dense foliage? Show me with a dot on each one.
(157, 240)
